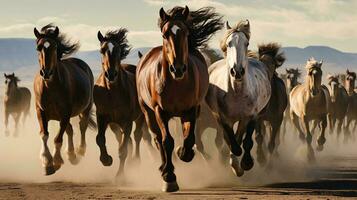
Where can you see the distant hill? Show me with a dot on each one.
(18, 54)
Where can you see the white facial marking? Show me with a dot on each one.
(46, 45)
(110, 47)
(174, 29)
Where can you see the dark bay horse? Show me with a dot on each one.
(351, 114)
(63, 89)
(116, 99)
(17, 101)
(172, 81)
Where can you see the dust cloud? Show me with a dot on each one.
(20, 161)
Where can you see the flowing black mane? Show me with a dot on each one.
(119, 37)
(65, 47)
(202, 24)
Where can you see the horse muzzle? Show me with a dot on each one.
(237, 74)
(110, 76)
(177, 72)
(46, 73)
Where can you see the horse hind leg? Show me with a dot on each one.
(138, 135)
(17, 119)
(123, 151)
(259, 138)
(70, 146)
(198, 140)
(247, 162)
(85, 120)
(295, 120)
(310, 150)
(105, 158)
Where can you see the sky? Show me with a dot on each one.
(291, 23)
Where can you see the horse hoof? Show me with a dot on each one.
(72, 158)
(247, 162)
(106, 160)
(49, 170)
(81, 150)
(170, 187)
(235, 167)
(185, 155)
(320, 148)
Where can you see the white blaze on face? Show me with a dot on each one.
(174, 29)
(110, 47)
(46, 44)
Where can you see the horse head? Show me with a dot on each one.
(314, 74)
(11, 81)
(333, 82)
(292, 77)
(350, 81)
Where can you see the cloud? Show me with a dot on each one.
(155, 2)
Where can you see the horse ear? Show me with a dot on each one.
(227, 25)
(100, 37)
(320, 63)
(5, 75)
(246, 23)
(56, 32)
(185, 12)
(287, 70)
(163, 15)
(140, 54)
(347, 71)
(37, 34)
(13, 74)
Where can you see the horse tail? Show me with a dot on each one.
(91, 120)
(271, 55)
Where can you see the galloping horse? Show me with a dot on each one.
(172, 81)
(352, 101)
(239, 90)
(339, 103)
(292, 80)
(63, 89)
(310, 101)
(274, 112)
(116, 99)
(17, 101)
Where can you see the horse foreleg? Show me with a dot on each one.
(17, 119)
(46, 157)
(247, 160)
(185, 152)
(321, 140)
(347, 129)
(310, 150)
(102, 123)
(70, 146)
(83, 125)
(295, 120)
(199, 132)
(167, 142)
(6, 121)
(123, 149)
(58, 141)
(138, 135)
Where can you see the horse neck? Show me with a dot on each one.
(121, 76)
(11, 91)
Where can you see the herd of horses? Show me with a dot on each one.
(185, 80)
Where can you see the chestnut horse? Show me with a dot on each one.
(351, 115)
(310, 101)
(339, 104)
(63, 89)
(172, 81)
(17, 101)
(116, 99)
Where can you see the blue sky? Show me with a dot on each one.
(291, 23)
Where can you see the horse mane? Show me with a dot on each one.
(241, 26)
(296, 71)
(120, 38)
(311, 63)
(202, 24)
(65, 47)
(211, 53)
(271, 50)
(331, 78)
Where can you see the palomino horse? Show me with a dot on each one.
(116, 99)
(339, 103)
(239, 90)
(274, 112)
(17, 101)
(352, 101)
(172, 81)
(310, 101)
(63, 89)
(292, 80)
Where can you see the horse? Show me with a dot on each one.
(310, 101)
(172, 81)
(273, 114)
(339, 103)
(292, 80)
(17, 101)
(239, 90)
(63, 89)
(351, 114)
(115, 98)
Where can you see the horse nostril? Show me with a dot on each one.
(233, 72)
(242, 71)
(172, 69)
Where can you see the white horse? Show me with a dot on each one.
(239, 90)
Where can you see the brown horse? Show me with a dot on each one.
(339, 103)
(63, 89)
(116, 99)
(172, 81)
(351, 114)
(17, 101)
